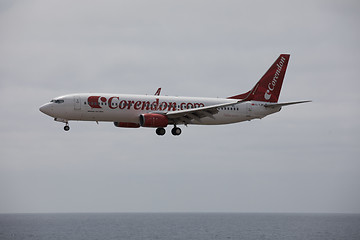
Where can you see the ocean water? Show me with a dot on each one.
(197, 226)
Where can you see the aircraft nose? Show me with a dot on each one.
(46, 108)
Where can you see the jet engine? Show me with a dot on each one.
(153, 120)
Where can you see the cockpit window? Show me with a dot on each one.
(57, 101)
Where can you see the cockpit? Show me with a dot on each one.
(57, 101)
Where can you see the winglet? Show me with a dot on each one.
(158, 92)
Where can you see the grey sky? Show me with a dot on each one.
(303, 159)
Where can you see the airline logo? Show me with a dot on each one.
(116, 103)
(272, 84)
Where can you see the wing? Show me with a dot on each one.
(187, 115)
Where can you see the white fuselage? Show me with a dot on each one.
(155, 111)
(128, 108)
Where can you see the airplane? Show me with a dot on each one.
(156, 111)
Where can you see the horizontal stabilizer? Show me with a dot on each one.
(284, 104)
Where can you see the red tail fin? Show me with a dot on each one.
(267, 89)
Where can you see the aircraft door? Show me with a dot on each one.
(248, 109)
(77, 103)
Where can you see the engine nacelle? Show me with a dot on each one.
(153, 120)
(126, 124)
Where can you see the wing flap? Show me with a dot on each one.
(187, 115)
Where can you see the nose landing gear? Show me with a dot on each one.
(66, 128)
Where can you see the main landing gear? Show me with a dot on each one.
(160, 131)
(175, 131)
(67, 128)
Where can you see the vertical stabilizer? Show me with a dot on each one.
(268, 88)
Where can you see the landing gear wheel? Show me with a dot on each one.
(66, 128)
(176, 131)
(160, 131)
